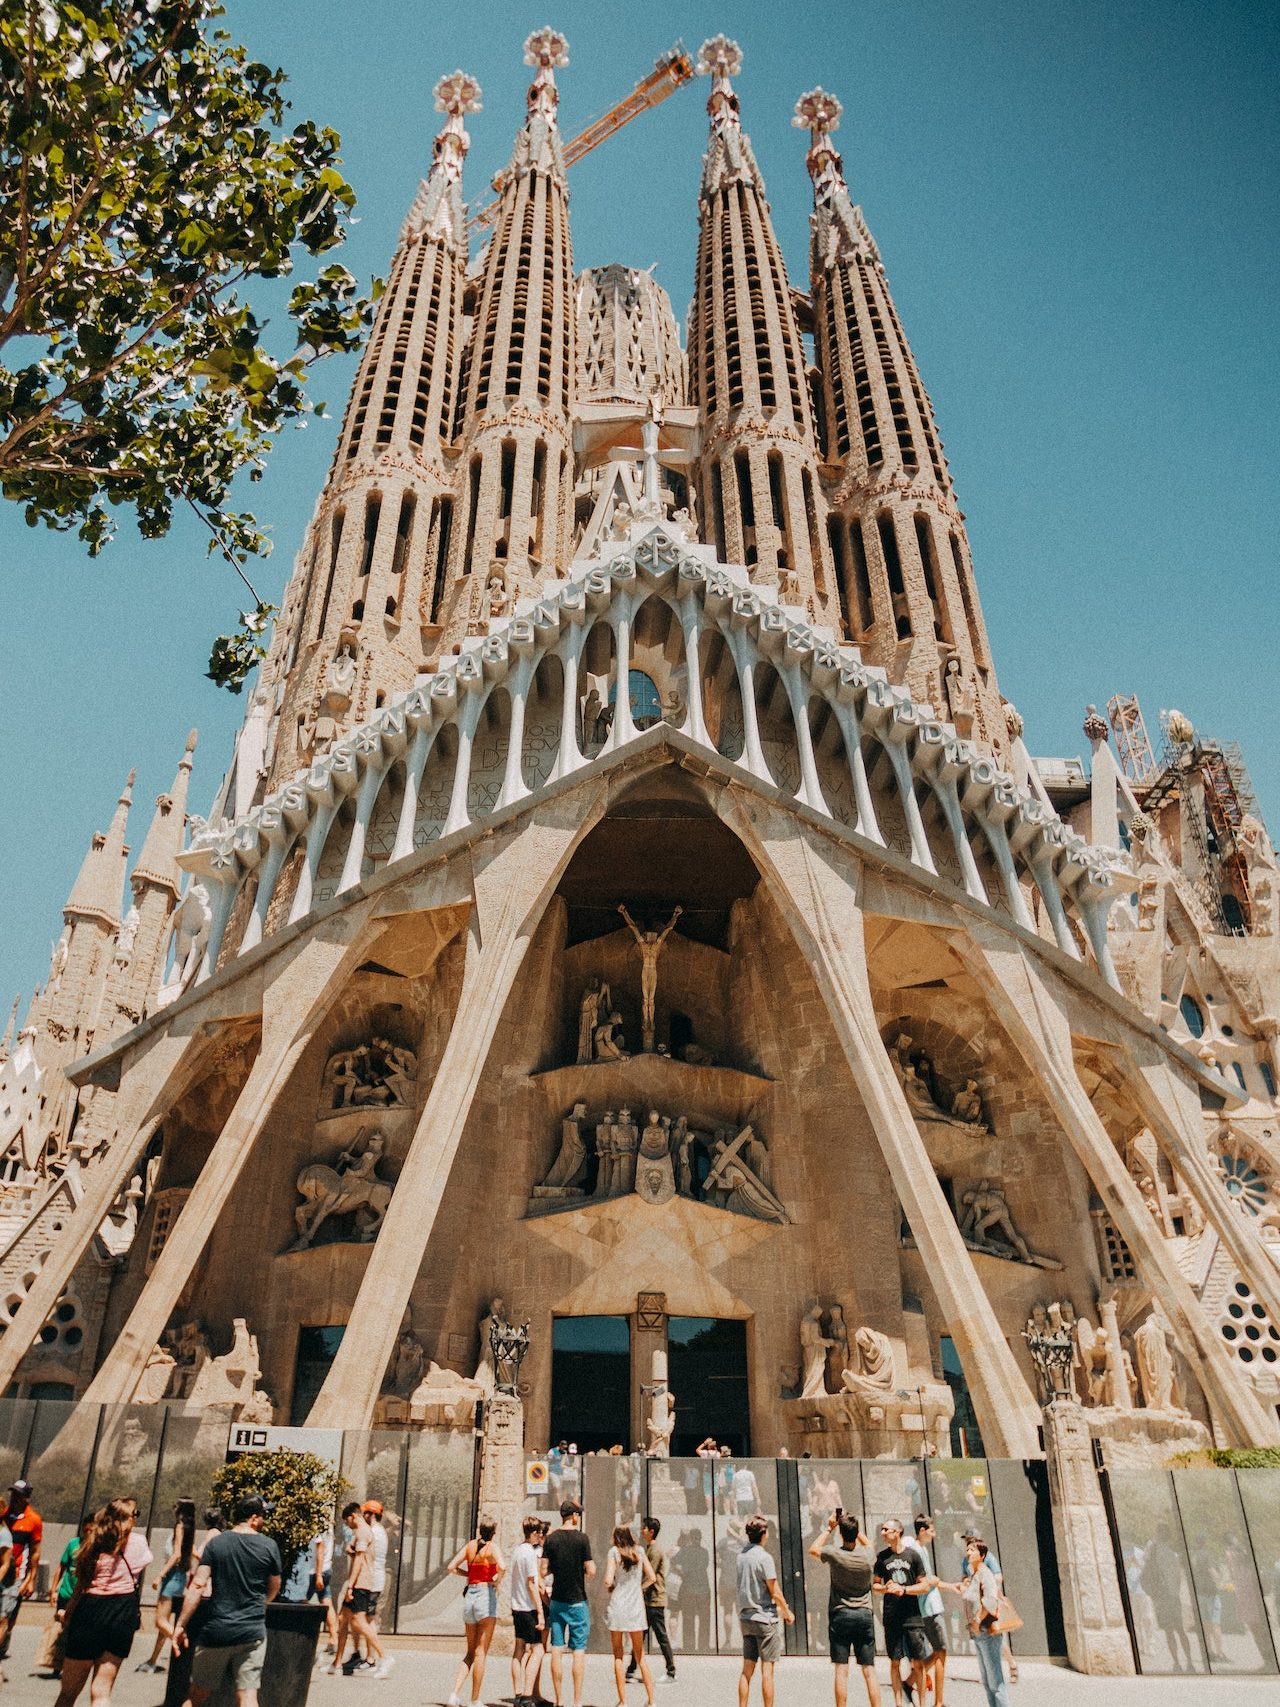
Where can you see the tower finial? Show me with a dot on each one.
(457, 95)
(549, 51)
(720, 59)
(819, 112)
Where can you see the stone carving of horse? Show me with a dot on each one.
(327, 1192)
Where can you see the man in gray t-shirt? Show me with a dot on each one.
(760, 1603)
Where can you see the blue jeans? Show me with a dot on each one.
(990, 1649)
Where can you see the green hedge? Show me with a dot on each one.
(1238, 1458)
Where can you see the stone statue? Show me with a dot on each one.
(966, 1105)
(814, 1346)
(871, 1376)
(57, 966)
(606, 1171)
(340, 677)
(1092, 1349)
(596, 718)
(962, 698)
(351, 1187)
(595, 998)
(154, 1382)
(571, 1164)
(626, 1142)
(732, 1183)
(230, 1379)
(608, 1046)
(485, 1375)
(838, 1355)
(189, 934)
(650, 943)
(1151, 1197)
(1155, 1361)
(377, 1074)
(404, 1373)
(192, 1353)
(682, 1148)
(498, 598)
(661, 1425)
(258, 1408)
(127, 935)
(986, 1210)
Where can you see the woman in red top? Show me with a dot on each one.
(481, 1563)
(106, 1608)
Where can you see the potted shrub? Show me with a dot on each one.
(301, 1492)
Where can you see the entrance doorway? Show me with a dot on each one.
(591, 1381)
(317, 1348)
(707, 1372)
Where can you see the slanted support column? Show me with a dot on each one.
(293, 1004)
(1171, 1108)
(158, 1077)
(1092, 1608)
(415, 764)
(511, 891)
(816, 886)
(317, 834)
(1039, 1029)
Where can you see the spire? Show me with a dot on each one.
(728, 158)
(539, 147)
(6, 1043)
(902, 563)
(98, 889)
(436, 210)
(838, 226)
(748, 375)
(157, 863)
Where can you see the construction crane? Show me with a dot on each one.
(670, 71)
(1132, 742)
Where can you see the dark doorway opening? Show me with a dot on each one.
(317, 1348)
(707, 1369)
(966, 1437)
(591, 1381)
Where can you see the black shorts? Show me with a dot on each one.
(935, 1628)
(101, 1624)
(526, 1628)
(906, 1641)
(364, 1600)
(851, 1631)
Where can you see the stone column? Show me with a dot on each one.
(502, 1486)
(151, 1086)
(293, 1004)
(511, 892)
(817, 885)
(1014, 984)
(1092, 1606)
(648, 1339)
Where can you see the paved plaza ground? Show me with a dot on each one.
(424, 1677)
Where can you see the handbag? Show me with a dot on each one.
(1006, 1617)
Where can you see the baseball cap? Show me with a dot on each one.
(374, 1506)
(570, 1508)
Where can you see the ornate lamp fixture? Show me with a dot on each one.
(508, 1345)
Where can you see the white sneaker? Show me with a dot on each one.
(384, 1670)
(454, 1701)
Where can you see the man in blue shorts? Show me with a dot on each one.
(567, 1562)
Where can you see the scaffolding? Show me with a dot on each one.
(1133, 744)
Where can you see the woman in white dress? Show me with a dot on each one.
(627, 1575)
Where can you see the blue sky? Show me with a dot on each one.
(1078, 212)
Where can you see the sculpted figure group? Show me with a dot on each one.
(667, 1156)
(1110, 1369)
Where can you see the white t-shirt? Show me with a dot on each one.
(378, 1559)
(524, 1564)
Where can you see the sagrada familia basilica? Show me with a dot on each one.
(631, 897)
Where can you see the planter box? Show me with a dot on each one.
(293, 1629)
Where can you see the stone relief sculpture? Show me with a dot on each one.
(966, 1106)
(377, 1074)
(668, 1158)
(191, 1353)
(127, 935)
(986, 1211)
(408, 1360)
(337, 694)
(350, 1187)
(854, 1398)
(229, 1380)
(650, 943)
(486, 1376)
(595, 1000)
(661, 1425)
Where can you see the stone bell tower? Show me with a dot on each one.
(907, 592)
(515, 426)
(747, 374)
(362, 608)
